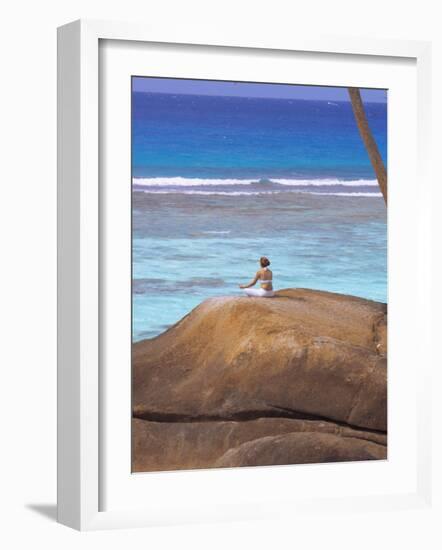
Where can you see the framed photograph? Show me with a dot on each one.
(241, 237)
(272, 179)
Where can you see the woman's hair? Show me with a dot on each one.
(264, 261)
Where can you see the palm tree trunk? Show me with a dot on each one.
(368, 139)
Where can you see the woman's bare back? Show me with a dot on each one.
(265, 277)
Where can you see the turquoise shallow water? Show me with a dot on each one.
(219, 181)
(197, 246)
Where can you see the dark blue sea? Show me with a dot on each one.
(220, 181)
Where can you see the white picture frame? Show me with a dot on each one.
(80, 394)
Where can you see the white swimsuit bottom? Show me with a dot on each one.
(259, 292)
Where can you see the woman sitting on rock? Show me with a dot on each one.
(264, 276)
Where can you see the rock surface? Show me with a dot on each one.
(238, 370)
(188, 445)
(300, 448)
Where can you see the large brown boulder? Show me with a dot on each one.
(188, 445)
(302, 354)
(301, 448)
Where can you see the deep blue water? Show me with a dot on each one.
(213, 137)
(220, 181)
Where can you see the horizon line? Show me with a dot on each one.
(248, 89)
(381, 102)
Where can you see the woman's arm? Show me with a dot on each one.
(252, 283)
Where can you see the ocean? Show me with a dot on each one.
(220, 181)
